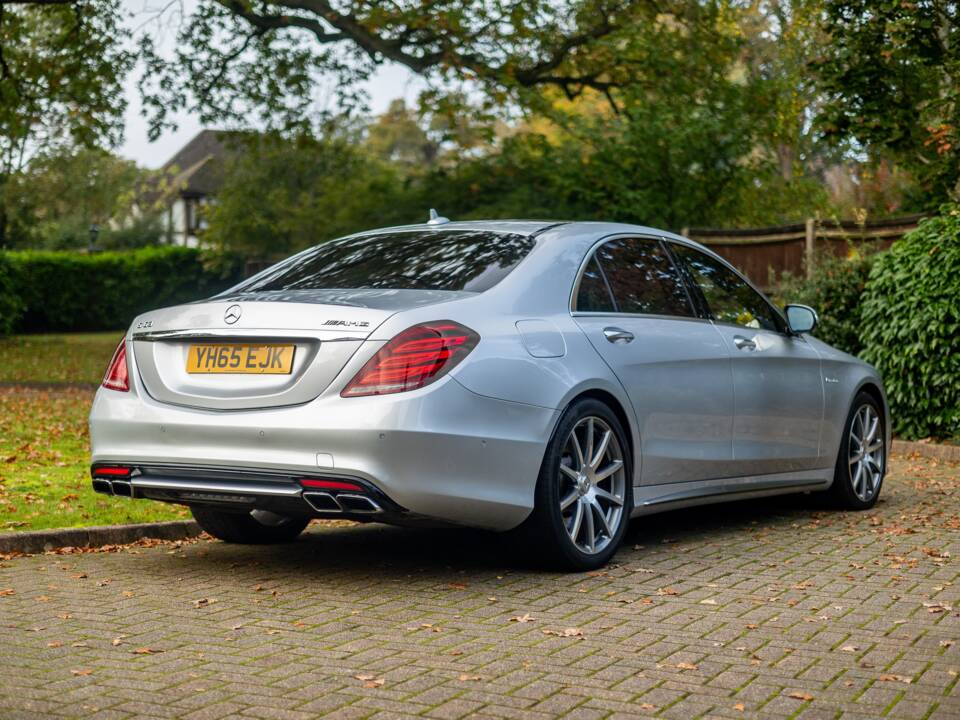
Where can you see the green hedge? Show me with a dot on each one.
(910, 327)
(11, 306)
(69, 291)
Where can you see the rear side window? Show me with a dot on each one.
(729, 297)
(643, 278)
(468, 260)
(593, 295)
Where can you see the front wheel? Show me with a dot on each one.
(583, 495)
(862, 460)
(258, 527)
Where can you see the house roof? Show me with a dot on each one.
(197, 168)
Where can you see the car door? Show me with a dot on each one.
(637, 312)
(777, 386)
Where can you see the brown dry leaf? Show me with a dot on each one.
(463, 677)
(946, 643)
(685, 666)
(42, 598)
(369, 681)
(146, 651)
(566, 632)
(708, 601)
(666, 591)
(116, 641)
(457, 586)
(800, 696)
(203, 602)
(523, 618)
(647, 706)
(7, 592)
(740, 707)
(127, 593)
(849, 648)
(896, 678)
(54, 644)
(82, 671)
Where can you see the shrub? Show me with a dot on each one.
(69, 291)
(835, 292)
(910, 326)
(11, 306)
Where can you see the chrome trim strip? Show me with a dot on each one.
(727, 491)
(277, 335)
(154, 483)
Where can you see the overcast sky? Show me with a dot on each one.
(393, 81)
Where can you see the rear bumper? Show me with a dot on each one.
(240, 489)
(442, 453)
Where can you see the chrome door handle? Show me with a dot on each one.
(743, 343)
(617, 335)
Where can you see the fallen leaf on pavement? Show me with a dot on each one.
(82, 671)
(686, 666)
(146, 651)
(801, 696)
(468, 678)
(203, 602)
(896, 678)
(522, 618)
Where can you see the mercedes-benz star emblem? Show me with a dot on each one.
(232, 314)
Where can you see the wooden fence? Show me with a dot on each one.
(766, 253)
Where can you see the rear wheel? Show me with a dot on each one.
(258, 527)
(862, 459)
(583, 495)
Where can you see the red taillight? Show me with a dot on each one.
(111, 471)
(330, 484)
(414, 358)
(117, 377)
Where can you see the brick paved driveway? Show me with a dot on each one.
(770, 609)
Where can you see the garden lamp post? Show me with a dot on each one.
(94, 232)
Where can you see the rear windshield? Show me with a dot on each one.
(469, 260)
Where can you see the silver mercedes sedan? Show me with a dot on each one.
(551, 378)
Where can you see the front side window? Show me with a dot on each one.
(467, 260)
(730, 299)
(643, 278)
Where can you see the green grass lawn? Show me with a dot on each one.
(44, 445)
(67, 358)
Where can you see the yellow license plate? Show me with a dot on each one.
(240, 359)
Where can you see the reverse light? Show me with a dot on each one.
(117, 377)
(330, 484)
(415, 358)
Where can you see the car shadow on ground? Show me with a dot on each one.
(398, 551)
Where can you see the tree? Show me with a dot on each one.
(61, 72)
(63, 193)
(282, 194)
(891, 77)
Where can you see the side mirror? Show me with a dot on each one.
(802, 319)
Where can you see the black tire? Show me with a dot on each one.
(234, 527)
(845, 493)
(546, 527)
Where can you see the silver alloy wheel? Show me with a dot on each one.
(592, 481)
(866, 453)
